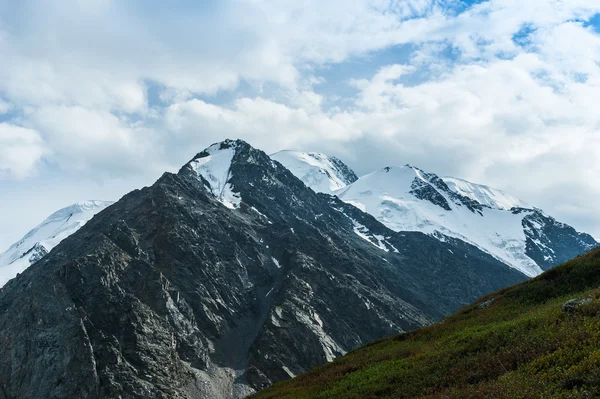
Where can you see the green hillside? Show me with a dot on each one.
(521, 342)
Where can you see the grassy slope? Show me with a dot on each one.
(521, 346)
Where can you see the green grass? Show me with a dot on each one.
(521, 346)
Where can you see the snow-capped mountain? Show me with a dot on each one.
(548, 242)
(322, 173)
(409, 199)
(218, 281)
(232, 274)
(48, 234)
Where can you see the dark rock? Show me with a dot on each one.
(487, 303)
(426, 192)
(572, 305)
(430, 187)
(549, 242)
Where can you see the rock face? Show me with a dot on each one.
(550, 242)
(220, 280)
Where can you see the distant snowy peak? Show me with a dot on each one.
(213, 168)
(406, 198)
(485, 195)
(409, 199)
(320, 172)
(48, 234)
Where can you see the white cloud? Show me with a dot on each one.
(20, 150)
(78, 78)
(100, 55)
(264, 123)
(97, 143)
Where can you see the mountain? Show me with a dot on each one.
(320, 172)
(409, 199)
(39, 241)
(218, 281)
(538, 339)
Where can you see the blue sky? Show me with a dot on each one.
(99, 97)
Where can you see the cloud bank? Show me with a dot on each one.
(110, 94)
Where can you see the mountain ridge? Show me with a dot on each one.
(406, 198)
(330, 175)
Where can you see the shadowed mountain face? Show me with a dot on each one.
(220, 280)
(538, 339)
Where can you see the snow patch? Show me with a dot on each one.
(215, 169)
(292, 375)
(262, 215)
(363, 231)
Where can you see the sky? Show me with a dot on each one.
(99, 97)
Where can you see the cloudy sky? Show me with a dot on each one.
(98, 97)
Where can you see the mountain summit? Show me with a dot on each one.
(213, 166)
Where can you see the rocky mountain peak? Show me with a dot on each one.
(485, 195)
(216, 165)
(79, 207)
(227, 144)
(407, 198)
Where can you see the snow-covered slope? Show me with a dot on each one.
(39, 241)
(320, 172)
(213, 167)
(485, 195)
(409, 199)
